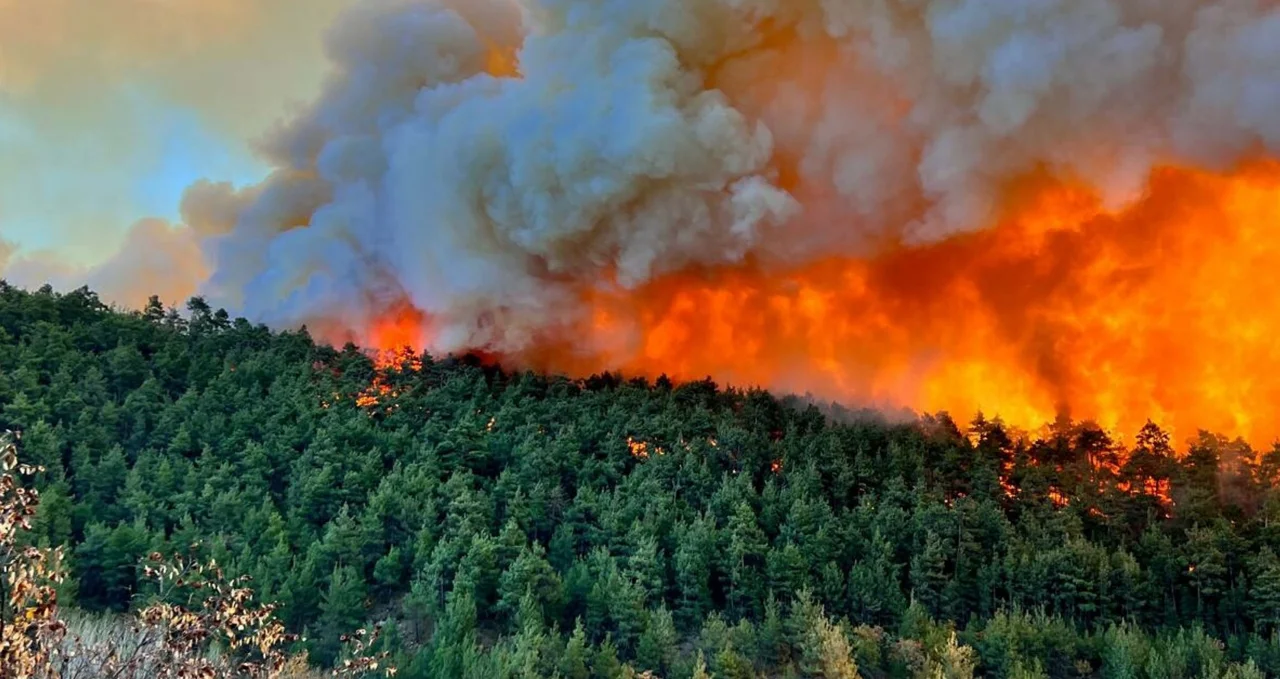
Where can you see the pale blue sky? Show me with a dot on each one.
(188, 151)
(78, 188)
(109, 109)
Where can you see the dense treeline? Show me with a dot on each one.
(510, 524)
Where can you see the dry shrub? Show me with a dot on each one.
(30, 629)
(203, 625)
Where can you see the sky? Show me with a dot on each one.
(109, 109)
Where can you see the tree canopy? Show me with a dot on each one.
(510, 524)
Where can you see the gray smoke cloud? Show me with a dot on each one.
(643, 137)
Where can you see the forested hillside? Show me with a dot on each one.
(516, 525)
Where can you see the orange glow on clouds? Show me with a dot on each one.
(1165, 309)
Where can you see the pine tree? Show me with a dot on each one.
(788, 570)
(454, 647)
(525, 657)
(742, 561)
(529, 573)
(389, 570)
(573, 664)
(700, 668)
(605, 663)
(771, 640)
(1264, 594)
(342, 609)
(951, 660)
(1024, 670)
(693, 572)
(730, 664)
(645, 567)
(657, 648)
(875, 593)
(928, 574)
(825, 650)
(1248, 670)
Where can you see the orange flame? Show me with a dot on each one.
(639, 449)
(401, 328)
(390, 343)
(501, 61)
(1161, 310)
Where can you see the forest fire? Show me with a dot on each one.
(1045, 229)
(402, 328)
(1161, 310)
(1029, 212)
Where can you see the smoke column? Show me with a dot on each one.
(1024, 206)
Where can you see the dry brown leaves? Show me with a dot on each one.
(202, 626)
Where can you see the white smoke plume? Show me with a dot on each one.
(634, 138)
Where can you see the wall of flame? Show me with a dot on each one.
(1164, 310)
(1023, 208)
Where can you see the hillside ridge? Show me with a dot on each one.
(514, 524)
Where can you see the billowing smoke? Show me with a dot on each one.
(499, 169)
(492, 163)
